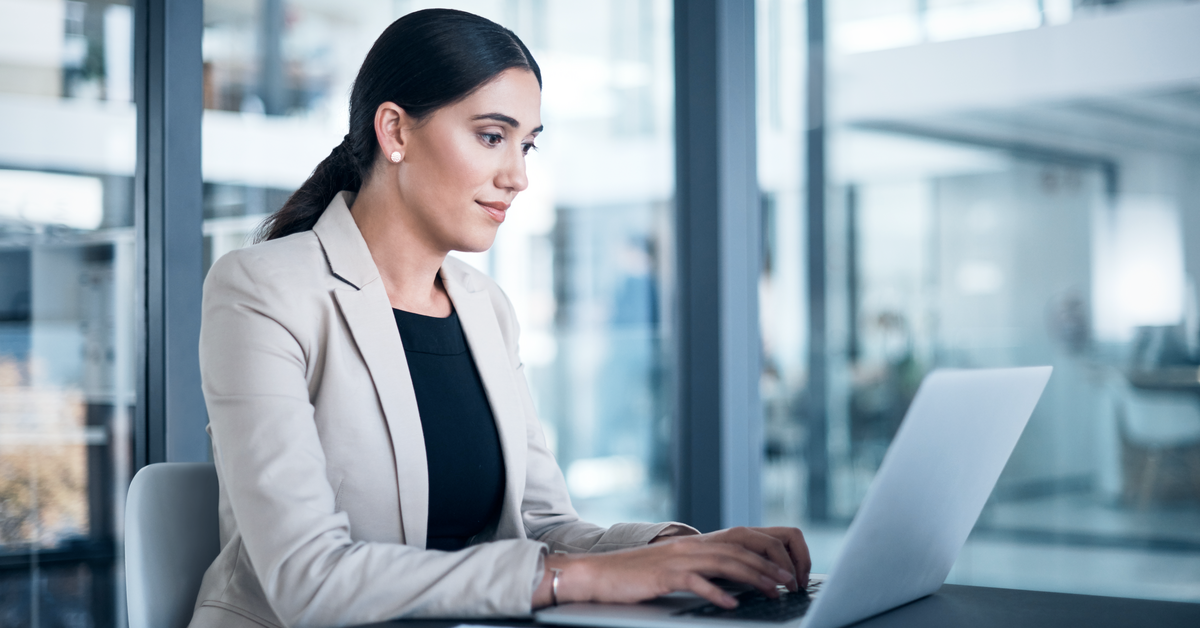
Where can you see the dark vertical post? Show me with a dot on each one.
(719, 413)
(817, 450)
(100, 511)
(170, 415)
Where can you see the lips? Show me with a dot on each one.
(494, 209)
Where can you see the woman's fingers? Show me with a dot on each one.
(777, 551)
(736, 563)
(797, 548)
(730, 549)
(762, 542)
(701, 586)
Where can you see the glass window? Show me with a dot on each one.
(865, 25)
(585, 253)
(991, 205)
(783, 308)
(67, 292)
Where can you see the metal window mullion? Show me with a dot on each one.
(168, 76)
(816, 393)
(719, 412)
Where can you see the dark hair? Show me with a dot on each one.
(422, 62)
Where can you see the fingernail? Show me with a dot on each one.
(766, 582)
(784, 576)
(730, 601)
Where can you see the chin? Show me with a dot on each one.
(476, 244)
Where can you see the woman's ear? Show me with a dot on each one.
(392, 126)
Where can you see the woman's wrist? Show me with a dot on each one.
(571, 573)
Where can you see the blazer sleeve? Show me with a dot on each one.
(546, 508)
(273, 470)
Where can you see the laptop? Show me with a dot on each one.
(933, 483)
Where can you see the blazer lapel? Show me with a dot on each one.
(485, 341)
(367, 310)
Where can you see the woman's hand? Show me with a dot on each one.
(760, 557)
(781, 545)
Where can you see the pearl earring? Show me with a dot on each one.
(396, 157)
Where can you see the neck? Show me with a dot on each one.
(408, 263)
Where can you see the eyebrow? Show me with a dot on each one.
(509, 120)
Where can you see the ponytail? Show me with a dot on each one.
(339, 171)
(422, 62)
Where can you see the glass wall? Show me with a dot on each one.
(67, 295)
(866, 25)
(585, 253)
(783, 298)
(1018, 199)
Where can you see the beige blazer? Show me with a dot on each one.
(319, 451)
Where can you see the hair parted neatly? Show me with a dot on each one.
(424, 61)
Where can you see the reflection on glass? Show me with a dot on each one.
(975, 228)
(585, 253)
(67, 293)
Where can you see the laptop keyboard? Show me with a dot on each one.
(754, 606)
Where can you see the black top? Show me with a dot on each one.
(462, 447)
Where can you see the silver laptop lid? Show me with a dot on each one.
(933, 483)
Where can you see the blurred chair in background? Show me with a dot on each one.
(1158, 419)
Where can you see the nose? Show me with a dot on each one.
(512, 175)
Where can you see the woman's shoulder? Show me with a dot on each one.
(295, 258)
(276, 271)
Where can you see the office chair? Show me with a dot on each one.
(171, 537)
(1160, 440)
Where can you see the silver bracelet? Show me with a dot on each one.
(554, 586)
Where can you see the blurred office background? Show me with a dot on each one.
(1007, 182)
(68, 276)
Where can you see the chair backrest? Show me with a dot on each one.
(1160, 418)
(171, 537)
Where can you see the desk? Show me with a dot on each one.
(956, 606)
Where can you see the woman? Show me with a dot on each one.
(368, 474)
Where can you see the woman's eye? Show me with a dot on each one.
(525, 148)
(492, 139)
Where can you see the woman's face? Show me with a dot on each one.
(463, 165)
